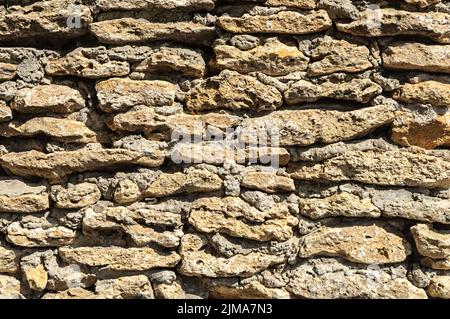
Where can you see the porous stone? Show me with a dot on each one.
(188, 5)
(45, 18)
(358, 90)
(233, 216)
(235, 91)
(394, 168)
(8, 260)
(392, 22)
(131, 287)
(431, 242)
(7, 71)
(427, 92)
(417, 56)
(130, 30)
(330, 56)
(283, 22)
(48, 98)
(366, 243)
(439, 287)
(120, 94)
(77, 196)
(197, 262)
(17, 196)
(268, 182)
(307, 127)
(119, 259)
(55, 166)
(10, 288)
(5, 112)
(87, 63)
(272, 57)
(194, 181)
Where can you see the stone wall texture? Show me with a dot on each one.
(129, 167)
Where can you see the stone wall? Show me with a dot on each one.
(211, 149)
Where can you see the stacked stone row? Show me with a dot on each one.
(114, 184)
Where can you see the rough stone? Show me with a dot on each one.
(77, 196)
(8, 260)
(131, 287)
(17, 196)
(392, 22)
(268, 182)
(417, 56)
(119, 259)
(121, 94)
(284, 22)
(235, 91)
(48, 98)
(9, 288)
(358, 90)
(273, 58)
(427, 92)
(367, 243)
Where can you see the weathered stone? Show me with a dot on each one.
(77, 196)
(173, 290)
(5, 112)
(127, 192)
(137, 224)
(48, 98)
(72, 293)
(233, 216)
(268, 182)
(408, 130)
(234, 91)
(307, 127)
(119, 259)
(417, 56)
(252, 290)
(339, 204)
(438, 264)
(41, 234)
(283, 22)
(218, 154)
(119, 94)
(8, 260)
(7, 71)
(62, 130)
(87, 63)
(195, 181)
(9, 288)
(394, 168)
(332, 56)
(431, 242)
(422, 3)
(131, 287)
(196, 262)
(36, 277)
(273, 58)
(366, 243)
(45, 18)
(186, 61)
(359, 90)
(439, 287)
(55, 166)
(301, 4)
(329, 278)
(187, 5)
(16, 196)
(353, 200)
(129, 30)
(427, 92)
(392, 22)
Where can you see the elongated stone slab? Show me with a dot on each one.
(284, 22)
(273, 58)
(129, 30)
(392, 22)
(394, 168)
(307, 127)
(55, 166)
(427, 92)
(366, 243)
(417, 56)
(48, 98)
(118, 94)
(119, 259)
(358, 90)
(185, 5)
(268, 182)
(45, 18)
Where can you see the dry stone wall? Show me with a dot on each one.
(224, 149)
